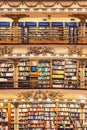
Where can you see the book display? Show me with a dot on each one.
(24, 73)
(58, 70)
(36, 116)
(41, 115)
(67, 111)
(44, 30)
(50, 118)
(23, 119)
(44, 73)
(70, 74)
(27, 32)
(32, 30)
(5, 31)
(6, 74)
(71, 32)
(12, 116)
(57, 30)
(4, 116)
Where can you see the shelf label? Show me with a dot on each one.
(30, 24)
(20, 24)
(57, 24)
(5, 24)
(44, 24)
(68, 24)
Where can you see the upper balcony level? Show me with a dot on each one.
(29, 31)
(38, 22)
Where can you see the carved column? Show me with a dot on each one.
(83, 30)
(82, 72)
(16, 119)
(15, 74)
(82, 105)
(16, 28)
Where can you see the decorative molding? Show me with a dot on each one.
(75, 50)
(33, 3)
(48, 3)
(6, 50)
(65, 3)
(41, 50)
(14, 3)
(40, 95)
(82, 3)
(25, 95)
(82, 62)
(55, 95)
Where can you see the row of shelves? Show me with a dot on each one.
(43, 73)
(42, 115)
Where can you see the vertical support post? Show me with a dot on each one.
(82, 105)
(9, 116)
(83, 30)
(15, 74)
(16, 28)
(82, 73)
(16, 120)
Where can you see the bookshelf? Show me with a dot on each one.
(71, 73)
(67, 111)
(24, 73)
(12, 116)
(44, 74)
(4, 116)
(50, 116)
(85, 71)
(6, 74)
(36, 116)
(58, 70)
(44, 30)
(57, 30)
(22, 110)
(5, 33)
(66, 33)
(39, 115)
(33, 32)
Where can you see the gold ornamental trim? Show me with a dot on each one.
(1, 2)
(49, 3)
(66, 4)
(14, 3)
(82, 3)
(31, 3)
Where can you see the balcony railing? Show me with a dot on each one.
(35, 85)
(43, 39)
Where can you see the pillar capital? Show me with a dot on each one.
(82, 63)
(15, 16)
